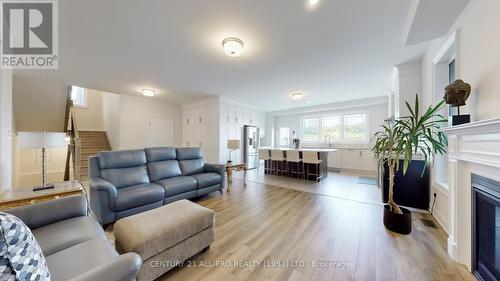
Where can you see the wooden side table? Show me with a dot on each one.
(235, 168)
(23, 196)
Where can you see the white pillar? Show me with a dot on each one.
(6, 122)
(409, 84)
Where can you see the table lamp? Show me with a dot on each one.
(42, 140)
(232, 145)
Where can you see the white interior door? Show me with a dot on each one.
(159, 133)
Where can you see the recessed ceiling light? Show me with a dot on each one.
(313, 2)
(297, 96)
(308, 101)
(148, 92)
(233, 47)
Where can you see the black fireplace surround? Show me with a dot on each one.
(485, 228)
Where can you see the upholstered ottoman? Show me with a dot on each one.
(165, 236)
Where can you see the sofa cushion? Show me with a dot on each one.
(80, 258)
(67, 233)
(207, 179)
(20, 255)
(122, 158)
(191, 167)
(188, 153)
(177, 185)
(160, 154)
(124, 177)
(138, 195)
(163, 169)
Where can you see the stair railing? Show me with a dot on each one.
(73, 156)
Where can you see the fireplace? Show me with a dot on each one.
(485, 228)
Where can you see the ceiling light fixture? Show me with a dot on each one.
(148, 92)
(233, 47)
(313, 2)
(297, 96)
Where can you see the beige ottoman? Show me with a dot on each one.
(165, 236)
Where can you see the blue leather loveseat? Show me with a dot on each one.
(127, 182)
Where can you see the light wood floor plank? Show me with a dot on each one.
(264, 223)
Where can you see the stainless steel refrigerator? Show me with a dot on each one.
(251, 146)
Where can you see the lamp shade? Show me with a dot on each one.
(233, 144)
(42, 140)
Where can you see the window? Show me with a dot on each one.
(350, 127)
(332, 128)
(310, 129)
(451, 79)
(78, 96)
(284, 136)
(451, 71)
(355, 127)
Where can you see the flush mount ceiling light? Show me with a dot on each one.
(232, 47)
(148, 92)
(297, 96)
(313, 2)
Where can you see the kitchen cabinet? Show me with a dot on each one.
(210, 123)
(350, 159)
(358, 159)
(335, 159)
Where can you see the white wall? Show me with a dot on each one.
(111, 118)
(39, 105)
(135, 112)
(6, 124)
(478, 57)
(477, 63)
(91, 118)
(409, 84)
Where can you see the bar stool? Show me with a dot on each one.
(312, 158)
(293, 156)
(264, 155)
(278, 159)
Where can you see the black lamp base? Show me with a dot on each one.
(40, 188)
(460, 119)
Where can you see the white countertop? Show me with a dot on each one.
(301, 149)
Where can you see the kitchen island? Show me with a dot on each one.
(322, 154)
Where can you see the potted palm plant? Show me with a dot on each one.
(400, 139)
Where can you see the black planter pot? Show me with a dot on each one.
(400, 223)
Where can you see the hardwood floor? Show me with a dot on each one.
(289, 231)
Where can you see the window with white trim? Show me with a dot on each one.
(310, 130)
(332, 128)
(78, 96)
(348, 127)
(284, 136)
(355, 128)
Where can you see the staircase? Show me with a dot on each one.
(91, 143)
(83, 144)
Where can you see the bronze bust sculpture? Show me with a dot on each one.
(455, 95)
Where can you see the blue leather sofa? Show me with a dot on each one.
(74, 244)
(127, 182)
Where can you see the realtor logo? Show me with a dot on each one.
(28, 34)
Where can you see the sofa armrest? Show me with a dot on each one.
(49, 212)
(121, 268)
(103, 196)
(216, 168)
(100, 184)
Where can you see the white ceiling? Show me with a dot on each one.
(429, 19)
(340, 50)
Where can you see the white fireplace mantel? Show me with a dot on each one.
(473, 148)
